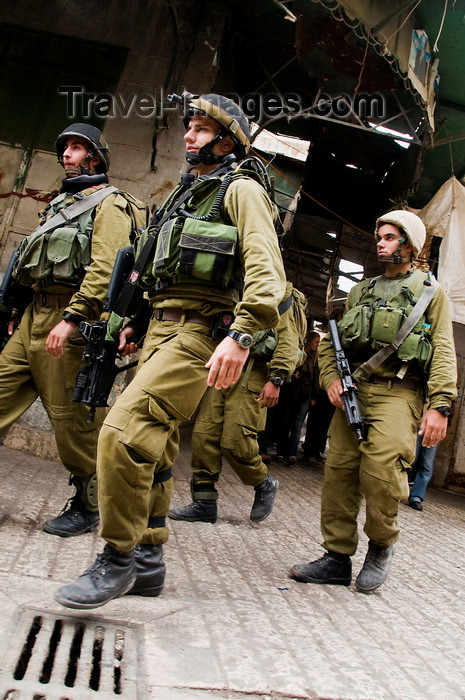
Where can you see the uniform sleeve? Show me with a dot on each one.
(250, 209)
(112, 228)
(442, 374)
(286, 355)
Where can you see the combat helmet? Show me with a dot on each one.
(412, 229)
(231, 119)
(98, 145)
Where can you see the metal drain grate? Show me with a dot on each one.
(59, 657)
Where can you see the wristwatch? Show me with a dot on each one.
(443, 410)
(277, 381)
(72, 318)
(245, 340)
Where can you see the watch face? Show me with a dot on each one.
(246, 340)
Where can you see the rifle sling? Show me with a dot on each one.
(130, 285)
(367, 368)
(76, 209)
(285, 305)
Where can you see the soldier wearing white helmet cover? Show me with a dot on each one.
(392, 394)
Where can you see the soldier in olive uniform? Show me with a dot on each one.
(216, 256)
(68, 262)
(423, 369)
(229, 420)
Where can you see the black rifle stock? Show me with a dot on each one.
(97, 374)
(349, 391)
(13, 295)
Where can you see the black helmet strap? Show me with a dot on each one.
(205, 154)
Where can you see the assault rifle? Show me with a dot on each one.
(349, 391)
(97, 374)
(13, 295)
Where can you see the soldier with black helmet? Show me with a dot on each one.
(67, 262)
(215, 278)
(395, 377)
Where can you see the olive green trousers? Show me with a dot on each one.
(226, 426)
(28, 372)
(139, 439)
(376, 469)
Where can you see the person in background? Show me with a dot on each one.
(295, 400)
(422, 469)
(229, 420)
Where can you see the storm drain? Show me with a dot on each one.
(59, 657)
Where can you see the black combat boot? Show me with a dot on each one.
(73, 520)
(375, 567)
(202, 511)
(331, 568)
(111, 575)
(150, 570)
(265, 493)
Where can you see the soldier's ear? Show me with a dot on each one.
(227, 144)
(94, 161)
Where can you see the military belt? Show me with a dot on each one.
(52, 299)
(395, 381)
(182, 315)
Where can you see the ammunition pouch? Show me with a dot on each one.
(355, 328)
(264, 345)
(375, 325)
(191, 251)
(57, 257)
(417, 347)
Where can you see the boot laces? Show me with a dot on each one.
(101, 563)
(72, 507)
(263, 489)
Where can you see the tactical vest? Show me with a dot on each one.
(62, 255)
(374, 320)
(195, 247)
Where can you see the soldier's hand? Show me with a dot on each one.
(433, 428)
(126, 346)
(11, 327)
(335, 394)
(269, 395)
(226, 363)
(58, 336)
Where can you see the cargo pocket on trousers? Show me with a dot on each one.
(148, 440)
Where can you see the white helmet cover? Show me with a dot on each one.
(410, 223)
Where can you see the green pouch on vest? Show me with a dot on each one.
(207, 251)
(355, 328)
(167, 248)
(385, 324)
(264, 345)
(416, 347)
(68, 251)
(33, 260)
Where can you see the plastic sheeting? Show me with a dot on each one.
(444, 216)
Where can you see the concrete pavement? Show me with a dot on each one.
(230, 624)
